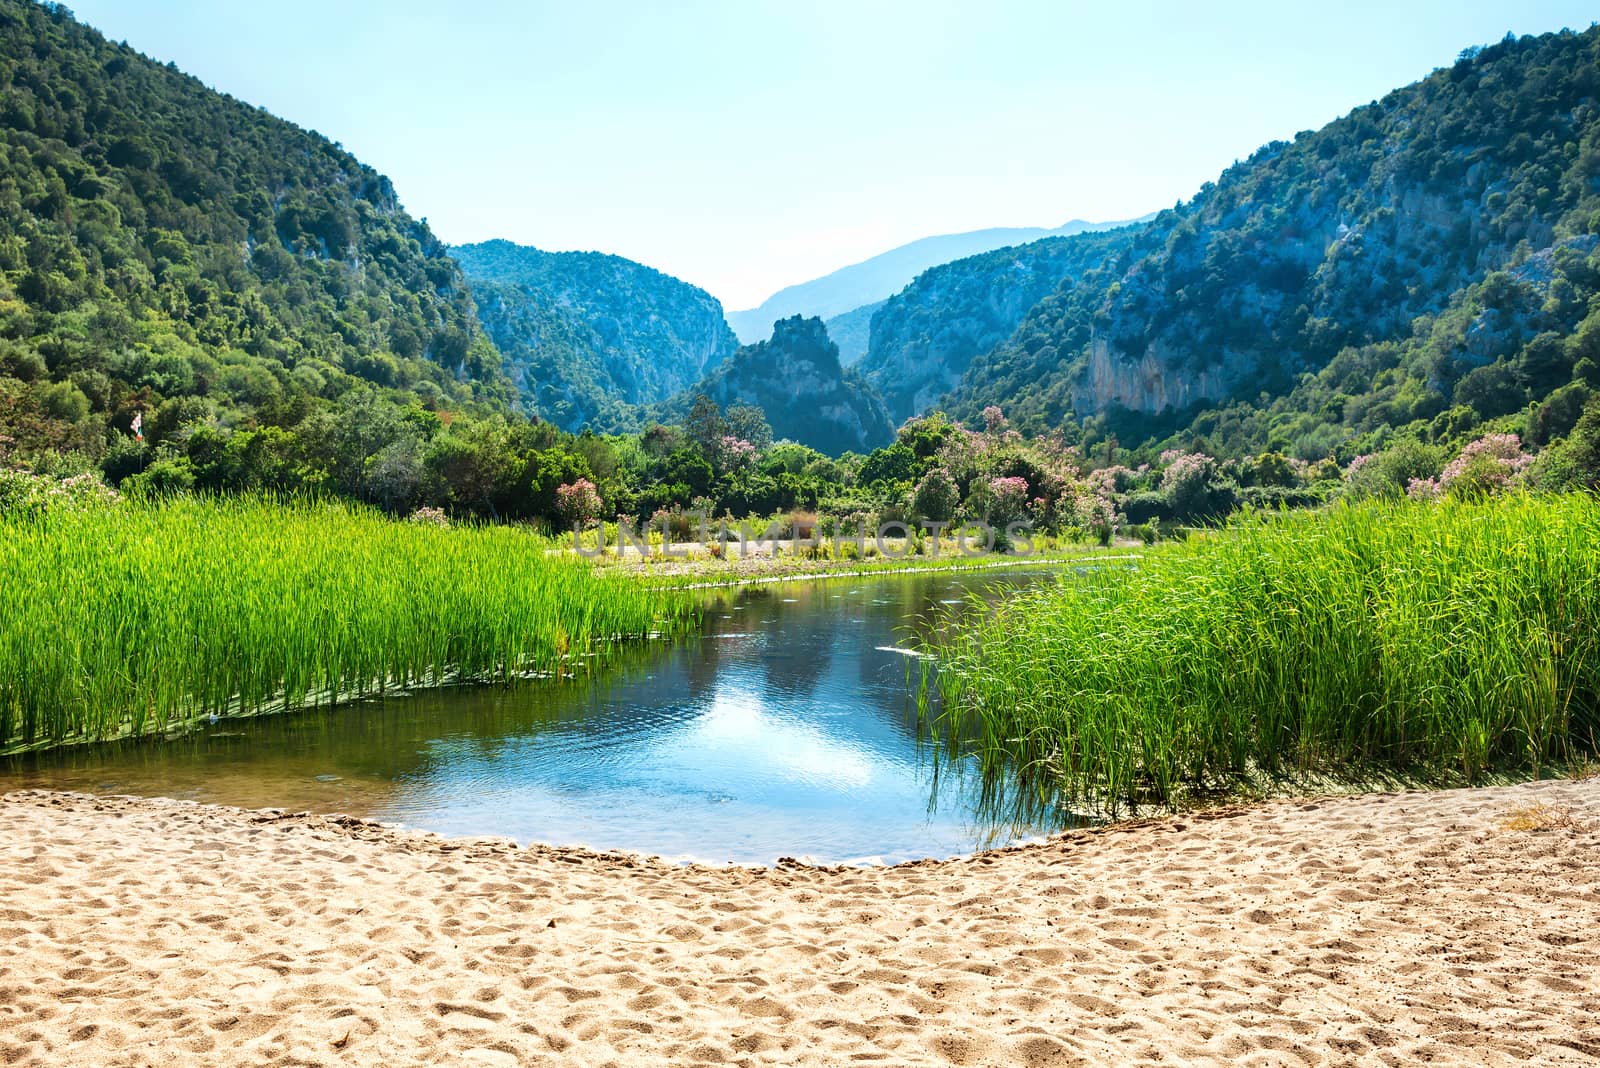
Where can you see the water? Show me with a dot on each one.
(787, 728)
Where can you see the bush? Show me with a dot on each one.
(1574, 463)
(1386, 475)
(26, 495)
(1144, 506)
(936, 497)
(577, 503)
(166, 477)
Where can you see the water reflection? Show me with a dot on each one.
(786, 729)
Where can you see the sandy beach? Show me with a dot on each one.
(1381, 929)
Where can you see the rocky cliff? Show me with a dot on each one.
(924, 337)
(1370, 230)
(797, 380)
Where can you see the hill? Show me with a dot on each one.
(587, 337)
(1421, 265)
(924, 337)
(796, 379)
(170, 251)
(870, 281)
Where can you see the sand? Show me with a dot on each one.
(1382, 929)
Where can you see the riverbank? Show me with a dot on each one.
(690, 566)
(1455, 927)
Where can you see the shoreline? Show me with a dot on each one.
(1386, 927)
(634, 574)
(1010, 564)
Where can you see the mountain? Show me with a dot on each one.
(851, 332)
(797, 380)
(924, 337)
(873, 280)
(168, 249)
(1427, 259)
(588, 338)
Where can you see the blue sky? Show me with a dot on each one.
(747, 145)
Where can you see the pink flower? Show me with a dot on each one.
(577, 502)
(1488, 465)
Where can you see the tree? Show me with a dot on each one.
(936, 497)
(893, 464)
(704, 426)
(749, 423)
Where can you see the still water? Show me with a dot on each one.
(787, 728)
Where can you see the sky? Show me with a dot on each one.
(745, 145)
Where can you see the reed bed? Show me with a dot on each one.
(136, 618)
(1454, 638)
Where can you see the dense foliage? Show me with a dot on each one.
(589, 338)
(170, 251)
(257, 303)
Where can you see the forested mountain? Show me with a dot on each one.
(1426, 262)
(166, 249)
(923, 337)
(796, 379)
(588, 338)
(871, 281)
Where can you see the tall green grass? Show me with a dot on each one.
(139, 617)
(1455, 638)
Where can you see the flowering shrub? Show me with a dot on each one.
(994, 420)
(429, 517)
(1088, 511)
(1422, 489)
(1108, 481)
(673, 523)
(22, 493)
(735, 454)
(1186, 483)
(577, 502)
(1010, 499)
(1491, 464)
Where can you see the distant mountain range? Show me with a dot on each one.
(871, 281)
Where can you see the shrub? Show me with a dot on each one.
(1187, 485)
(1491, 464)
(23, 494)
(936, 497)
(1008, 500)
(429, 517)
(577, 503)
(166, 477)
